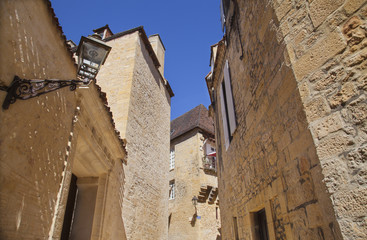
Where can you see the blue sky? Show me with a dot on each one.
(187, 28)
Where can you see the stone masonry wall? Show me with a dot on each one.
(115, 77)
(271, 162)
(326, 43)
(139, 100)
(189, 177)
(34, 133)
(147, 133)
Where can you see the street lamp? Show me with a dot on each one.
(91, 53)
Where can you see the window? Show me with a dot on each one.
(169, 220)
(69, 210)
(172, 159)
(235, 226)
(227, 106)
(261, 227)
(172, 189)
(212, 162)
(210, 155)
(79, 213)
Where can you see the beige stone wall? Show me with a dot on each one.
(159, 50)
(45, 139)
(326, 44)
(139, 101)
(272, 162)
(189, 177)
(116, 75)
(32, 160)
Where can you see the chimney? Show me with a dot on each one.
(159, 50)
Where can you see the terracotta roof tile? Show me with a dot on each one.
(197, 117)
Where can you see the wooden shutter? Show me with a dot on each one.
(229, 98)
(224, 118)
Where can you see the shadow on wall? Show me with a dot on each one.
(193, 220)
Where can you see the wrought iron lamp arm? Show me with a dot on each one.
(24, 89)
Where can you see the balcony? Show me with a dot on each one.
(209, 165)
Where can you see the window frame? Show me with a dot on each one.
(261, 225)
(172, 157)
(228, 112)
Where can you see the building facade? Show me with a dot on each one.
(56, 146)
(192, 174)
(288, 92)
(139, 97)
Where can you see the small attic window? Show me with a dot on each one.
(172, 131)
(101, 34)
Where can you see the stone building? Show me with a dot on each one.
(56, 145)
(288, 92)
(193, 174)
(139, 97)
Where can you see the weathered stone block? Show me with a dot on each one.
(335, 174)
(351, 6)
(357, 158)
(321, 9)
(299, 146)
(304, 90)
(314, 215)
(346, 93)
(327, 125)
(358, 110)
(283, 8)
(352, 203)
(316, 108)
(317, 55)
(323, 81)
(334, 144)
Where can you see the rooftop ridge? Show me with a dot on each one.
(194, 118)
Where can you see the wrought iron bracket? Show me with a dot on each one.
(24, 89)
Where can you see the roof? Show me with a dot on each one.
(197, 117)
(102, 28)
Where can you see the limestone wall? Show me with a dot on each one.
(141, 107)
(326, 44)
(272, 162)
(189, 177)
(116, 75)
(46, 139)
(32, 159)
(148, 142)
